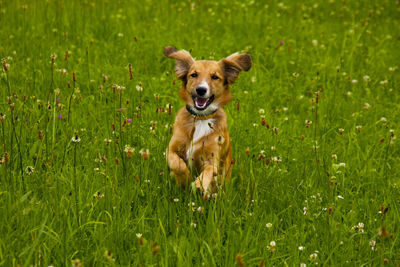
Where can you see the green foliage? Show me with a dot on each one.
(313, 126)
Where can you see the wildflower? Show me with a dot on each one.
(383, 119)
(57, 91)
(2, 117)
(76, 139)
(77, 263)
(140, 238)
(253, 79)
(340, 130)
(128, 149)
(313, 256)
(120, 35)
(367, 106)
(392, 69)
(6, 66)
(367, 78)
(272, 246)
(276, 160)
(193, 225)
(301, 248)
(308, 123)
(339, 196)
(247, 150)
(354, 81)
(139, 87)
(314, 42)
(108, 141)
(29, 170)
(384, 83)
(276, 130)
(372, 243)
(360, 227)
(334, 156)
(261, 111)
(349, 94)
(120, 88)
(98, 195)
(358, 127)
(342, 165)
(176, 200)
(303, 264)
(268, 225)
(295, 75)
(305, 210)
(144, 153)
(200, 209)
(129, 120)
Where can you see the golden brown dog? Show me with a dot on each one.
(200, 143)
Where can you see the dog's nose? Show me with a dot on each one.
(201, 91)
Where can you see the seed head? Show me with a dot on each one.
(130, 72)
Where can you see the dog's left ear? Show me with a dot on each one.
(183, 60)
(234, 64)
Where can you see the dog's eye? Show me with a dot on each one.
(194, 75)
(214, 77)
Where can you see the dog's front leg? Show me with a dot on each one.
(207, 180)
(178, 168)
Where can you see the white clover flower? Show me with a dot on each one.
(29, 170)
(301, 248)
(76, 139)
(314, 42)
(261, 111)
(139, 88)
(340, 197)
(313, 256)
(367, 78)
(383, 119)
(384, 82)
(354, 81)
(176, 200)
(268, 225)
(139, 235)
(120, 35)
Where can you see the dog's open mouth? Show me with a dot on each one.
(201, 103)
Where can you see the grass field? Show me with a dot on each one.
(83, 175)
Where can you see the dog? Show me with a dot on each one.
(200, 144)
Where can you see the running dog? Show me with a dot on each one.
(200, 144)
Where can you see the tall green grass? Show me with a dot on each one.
(313, 126)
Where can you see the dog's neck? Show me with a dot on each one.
(203, 116)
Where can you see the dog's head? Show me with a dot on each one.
(205, 84)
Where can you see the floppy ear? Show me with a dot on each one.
(183, 60)
(234, 64)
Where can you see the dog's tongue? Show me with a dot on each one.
(201, 101)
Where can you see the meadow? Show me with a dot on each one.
(88, 100)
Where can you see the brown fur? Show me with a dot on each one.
(211, 156)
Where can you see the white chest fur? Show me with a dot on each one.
(202, 128)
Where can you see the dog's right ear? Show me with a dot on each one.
(183, 60)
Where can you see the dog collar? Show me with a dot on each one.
(200, 116)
